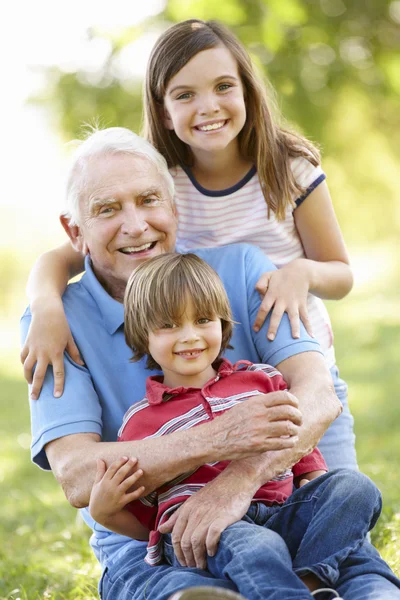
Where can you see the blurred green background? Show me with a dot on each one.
(335, 66)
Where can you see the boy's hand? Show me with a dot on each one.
(112, 488)
(307, 477)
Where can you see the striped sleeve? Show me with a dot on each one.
(306, 175)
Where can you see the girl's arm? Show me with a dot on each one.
(325, 272)
(49, 334)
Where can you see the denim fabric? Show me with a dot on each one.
(132, 579)
(338, 443)
(320, 529)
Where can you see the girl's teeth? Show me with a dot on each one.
(211, 127)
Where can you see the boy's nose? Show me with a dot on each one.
(189, 334)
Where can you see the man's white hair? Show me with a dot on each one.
(113, 140)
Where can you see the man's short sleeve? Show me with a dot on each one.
(77, 411)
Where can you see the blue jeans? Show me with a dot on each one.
(338, 443)
(320, 529)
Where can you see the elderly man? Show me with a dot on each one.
(120, 212)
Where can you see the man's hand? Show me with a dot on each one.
(197, 525)
(265, 422)
(112, 489)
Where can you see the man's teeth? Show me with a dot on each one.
(211, 127)
(130, 249)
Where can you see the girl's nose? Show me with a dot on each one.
(209, 105)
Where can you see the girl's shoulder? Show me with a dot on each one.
(304, 172)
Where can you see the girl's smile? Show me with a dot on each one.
(204, 102)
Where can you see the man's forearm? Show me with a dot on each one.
(319, 405)
(266, 422)
(73, 460)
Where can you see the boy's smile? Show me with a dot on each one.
(186, 350)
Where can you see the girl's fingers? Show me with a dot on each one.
(38, 378)
(276, 318)
(73, 351)
(263, 311)
(29, 363)
(294, 322)
(58, 373)
(24, 354)
(306, 322)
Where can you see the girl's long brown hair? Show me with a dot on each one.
(262, 141)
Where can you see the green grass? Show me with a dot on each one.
(44, 551)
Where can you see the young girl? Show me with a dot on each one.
(240, 177)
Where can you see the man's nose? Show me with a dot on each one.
(134, 222)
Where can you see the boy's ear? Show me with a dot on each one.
(74, 234)
(167, 119)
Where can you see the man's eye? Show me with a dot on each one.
(151, 201)
(106, 210)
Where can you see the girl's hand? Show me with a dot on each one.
(111, 490)
(49, 335)
(284, 290)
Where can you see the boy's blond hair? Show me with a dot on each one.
(158, 291)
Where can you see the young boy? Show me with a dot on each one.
(178, 316)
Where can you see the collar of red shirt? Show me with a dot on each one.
(157, 392)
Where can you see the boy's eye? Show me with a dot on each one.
(203, 321)
(168, 326)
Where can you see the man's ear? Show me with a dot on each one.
(74, 234)
(167, 119)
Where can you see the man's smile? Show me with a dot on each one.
(135, 249)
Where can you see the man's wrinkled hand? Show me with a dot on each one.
(197, 525)
(262, 423)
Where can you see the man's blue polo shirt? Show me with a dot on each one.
(97, 396)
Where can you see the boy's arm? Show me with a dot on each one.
(111, 492)
(49, 333)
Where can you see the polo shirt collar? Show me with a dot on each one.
(111, 310)
(157, 392)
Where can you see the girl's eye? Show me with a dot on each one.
(184, 96)
(203, 321)
(224, 86)
(168, 326)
